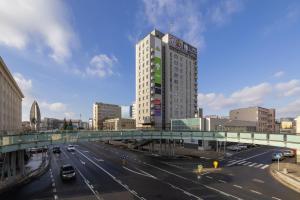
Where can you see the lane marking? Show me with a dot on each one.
(98, 159)
(264, 167)
(276, 198)
(222, 181)
(241, 162)
(209, 177)
(206, 186)
(233, 163)
(258, 180)
(238, 186)
(86, 181)
(109, 174)
(55, 197)
(65, 154)
(142, 174)
(247, 163)
(252, 164)
(184, 191)
(82, 162)
(256, 192)
(257, 166)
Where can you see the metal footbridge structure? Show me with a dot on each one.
(12, 147)
(9, 143)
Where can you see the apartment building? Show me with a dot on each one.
(10, 101)
(265, 118)
(117, 124)
(103, 111)
(166, 80)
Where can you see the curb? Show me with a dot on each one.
(29, 177)
(286, 180)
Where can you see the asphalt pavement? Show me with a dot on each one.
(103, 173)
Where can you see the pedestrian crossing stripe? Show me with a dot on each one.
(248, 164)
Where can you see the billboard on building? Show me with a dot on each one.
(182, 46)
(157, 76)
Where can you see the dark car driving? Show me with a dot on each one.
(56, 149)
(67, 172)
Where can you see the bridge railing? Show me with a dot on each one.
(22, 141)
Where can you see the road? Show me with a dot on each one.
(102, 175)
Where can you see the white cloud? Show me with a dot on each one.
(291, 110)
(289, 88)
(248, 96)
(101, 65)
(57, 109)
(278, 74)
(38, 23)
(222, 12)
(187, 19)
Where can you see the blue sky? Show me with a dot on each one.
(69, 54)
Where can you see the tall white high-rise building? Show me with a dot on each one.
(166, 80)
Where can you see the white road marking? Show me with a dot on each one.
(247, 163)
(258, 180)
(241, 162)
(254, 191)
(222, 181)
(211, 188)
(54, 190)
(209, 177)
(257, 166)
(89, 185)
(65, 154)
(252, 164)
(55, 197)
(99, 159)
(231, 160)
(185, 192)
(142, 174)
(264, 167)
(109, 174)
(276, 198)
(238, 186)
(82, 162)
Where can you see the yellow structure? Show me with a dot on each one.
(298, 126)
(103, 111)
(118, 124)
(216, 164)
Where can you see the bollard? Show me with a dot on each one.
(285, 170)
(215, 163)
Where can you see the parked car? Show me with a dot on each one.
(242, 146)
(288, 153)
(71, 148)
(67, 172)
(234, 148)
(56, 149)
(277, 156)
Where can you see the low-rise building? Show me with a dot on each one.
(265, 118)
(103, 111)
(298, 125)
(287, 125)
(118, 124)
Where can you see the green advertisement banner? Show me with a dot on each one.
(157, 70)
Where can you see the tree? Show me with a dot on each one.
(70, 125)
(65, 126)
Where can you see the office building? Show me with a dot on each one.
(166, 80)
(132, 111)
(10, 101)
(265, 118)
(103, 111)
(117, 124)
(200, 112)
(35, 116)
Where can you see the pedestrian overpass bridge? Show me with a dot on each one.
(12, 146)
(9, 143)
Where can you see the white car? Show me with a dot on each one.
(288, 153)
(71, 148)
(234, 148)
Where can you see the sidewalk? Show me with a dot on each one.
(288, 174)
(35, 167)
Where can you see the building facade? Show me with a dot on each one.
(117, 124)
(287, 125)
(132, 111)
(265, 118)
(103, 111)
(212, 124)
(10, 101)
(166, 80)
(298, 125)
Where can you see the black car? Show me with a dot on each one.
(67, 172)
(56, 149)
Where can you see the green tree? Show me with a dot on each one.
(65, 126)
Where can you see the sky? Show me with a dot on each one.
(69, 54)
